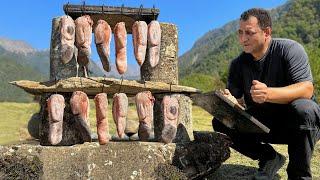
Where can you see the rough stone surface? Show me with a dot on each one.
(167, 69)
(58, 70)
(115, 160)
(33, 125)
(185, 127)
(132, 127)
(93, 86)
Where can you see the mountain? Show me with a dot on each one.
(212, 43)
(16, 46)
(212, 53)
(23, 53)
(20, 61)
(10, 70)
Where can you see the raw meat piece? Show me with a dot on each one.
(101, 102)
(120, 39)
(67, 36)
(119, 112)
(83, 40)
(170, 109)
(56, 107)
(144, 103)
(80, 107)
(154, 42)
(139, 36)
(102, 36)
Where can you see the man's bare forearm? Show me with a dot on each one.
(285, 95)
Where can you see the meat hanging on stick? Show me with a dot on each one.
(144, 103)
(56, 105)
(67, 38)
(83, 41)
(139, 37)
(101, 102)
(102, 37)
(170, 109)
(120, 39)
(80, 107)
(119, 112)
(154, 42)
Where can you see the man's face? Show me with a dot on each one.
(251, 37)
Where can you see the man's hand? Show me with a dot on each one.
(226, 93)
(259, 92)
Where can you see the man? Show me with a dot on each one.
(273, 77)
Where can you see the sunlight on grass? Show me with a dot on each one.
(14, 119)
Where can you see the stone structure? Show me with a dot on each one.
(116, 160)
(58, 70)
(184, 130)
(167, 69)
(70, 135)
(185, 159)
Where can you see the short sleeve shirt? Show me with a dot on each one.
(284, 63)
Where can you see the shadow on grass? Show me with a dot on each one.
(236, 172)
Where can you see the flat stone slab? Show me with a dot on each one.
(116, 160)
(230, 114)
(94, 85)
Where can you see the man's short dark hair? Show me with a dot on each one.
(264, 19)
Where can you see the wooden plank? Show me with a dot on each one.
(112, 14)
(230, 114)
(94, 85)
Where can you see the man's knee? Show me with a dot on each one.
(218, 126)
(306, 112)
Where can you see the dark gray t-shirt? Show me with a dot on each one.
(284, 63)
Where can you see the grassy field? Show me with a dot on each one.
(13, 128)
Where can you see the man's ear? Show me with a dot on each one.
(267, 32)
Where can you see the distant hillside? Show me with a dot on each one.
(211, 54)
(208, 51)
(18, 61)
(16, 46)
(10, 70)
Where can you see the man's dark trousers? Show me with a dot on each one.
(296, 124)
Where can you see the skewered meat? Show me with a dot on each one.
(170, 109)
(56, 107)
(83, 40)
(102, 36)
(119, 112)
(139, 36)
(67, 36)
(120, 38)
(101, 102)
(80, 107)
(154, 41)
(144, 103)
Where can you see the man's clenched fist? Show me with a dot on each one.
(259, 92)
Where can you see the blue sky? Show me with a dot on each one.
(30, 20)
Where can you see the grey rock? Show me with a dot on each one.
(115, 160)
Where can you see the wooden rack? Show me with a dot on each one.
(113, 15)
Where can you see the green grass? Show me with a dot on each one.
(14, 119)
(13, 128)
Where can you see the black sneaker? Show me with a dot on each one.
(268, 169)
